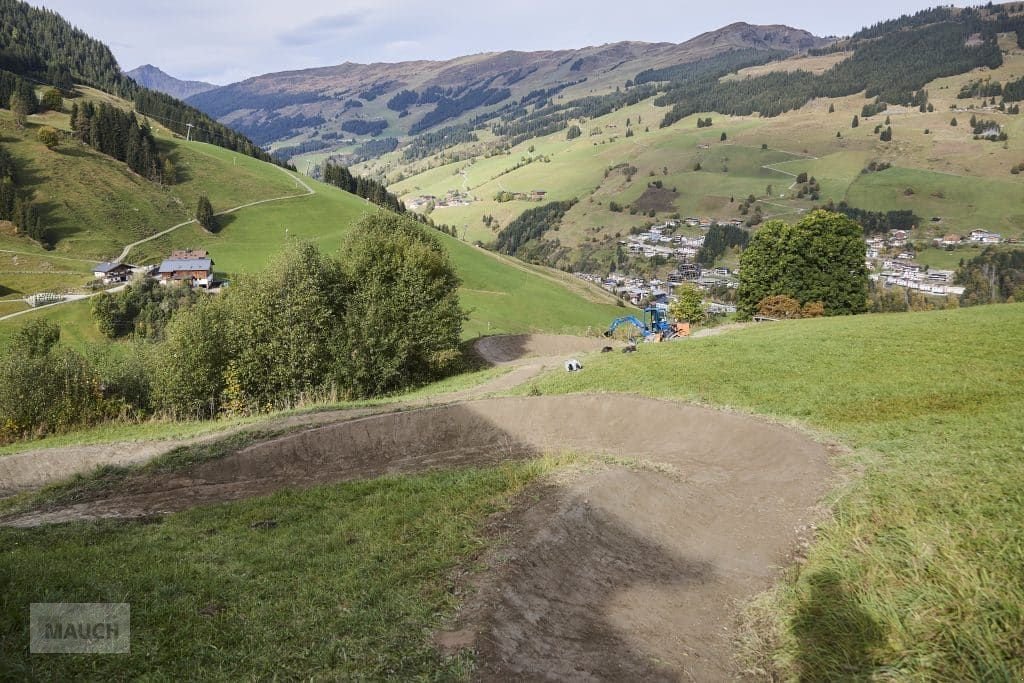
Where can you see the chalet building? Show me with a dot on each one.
(195, 272)
(110, 273)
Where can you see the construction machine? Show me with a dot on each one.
(654, 327)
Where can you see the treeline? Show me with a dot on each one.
(381, 317)
(373, 127)
(553, 118)
(119, 134)
(450, 108)
(376, 148)
(175, 115)
(892, 68)
(1013, 91)
(877, 222)
(367, 188)
(993, 276)
(543, 96)
(142, 309)
(530, 225)
(301, 148)
(719, 239)
(721, 64)
(41, 45)
(376, 90)
(224, 100)
(16, 203)
(426, 144)
(403, 100)
(13, 86)
(278, 127)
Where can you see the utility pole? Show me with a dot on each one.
(188, 134)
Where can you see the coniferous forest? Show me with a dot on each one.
(42, 47)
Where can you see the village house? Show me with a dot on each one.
(985, 237)
(109, 273)
(192, 270)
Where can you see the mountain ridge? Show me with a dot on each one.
(155, 78)
(278, 106)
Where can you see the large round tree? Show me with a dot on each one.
(820, 258)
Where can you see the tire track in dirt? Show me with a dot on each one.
(632, 568)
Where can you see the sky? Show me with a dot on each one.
(224, 41)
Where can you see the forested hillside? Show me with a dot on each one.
(41, 46)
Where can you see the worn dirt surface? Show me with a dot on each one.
(531, 354)
(618, 573)
(512, 348)
(632, 568)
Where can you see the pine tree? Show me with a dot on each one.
(856, 122)
(20, 109)
(204, 214)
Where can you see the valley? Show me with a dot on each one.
(648, 360)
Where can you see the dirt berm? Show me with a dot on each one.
(619, 573)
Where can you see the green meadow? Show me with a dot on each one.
(916, 575)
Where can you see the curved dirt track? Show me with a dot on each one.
(36, 468)
(616, 573)
(516, 347)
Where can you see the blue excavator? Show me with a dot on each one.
(655, 325)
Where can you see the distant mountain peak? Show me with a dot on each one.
(154, 78)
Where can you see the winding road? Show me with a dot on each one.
(128, 247)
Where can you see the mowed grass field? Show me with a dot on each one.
(339, 582)
(917, 574)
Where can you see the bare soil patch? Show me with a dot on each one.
(619, 573)
(661, 199)
(512, 348)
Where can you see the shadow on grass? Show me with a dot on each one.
(835, 635)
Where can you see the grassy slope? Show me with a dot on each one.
(973, 175)
(102, 206)
(346, 585)
(918, 573)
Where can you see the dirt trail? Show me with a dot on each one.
(36, 468)
(617, 573)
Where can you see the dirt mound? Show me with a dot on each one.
(511, 348)
(621, 573)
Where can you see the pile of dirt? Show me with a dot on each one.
(619, 573)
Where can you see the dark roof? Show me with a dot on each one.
(173, 265)
(106, 267)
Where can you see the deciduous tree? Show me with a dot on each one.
(820, 258)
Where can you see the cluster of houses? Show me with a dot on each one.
(976, 237)
(899, 272)
(638, 290)
(657, 241)
(189, 267)
(452, 198)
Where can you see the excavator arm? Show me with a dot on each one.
(627, 319)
